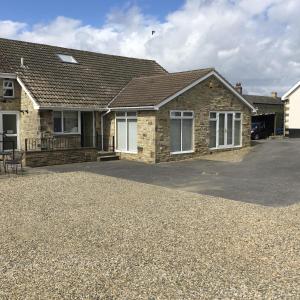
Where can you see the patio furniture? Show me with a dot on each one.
(3, 156)
(14, 161)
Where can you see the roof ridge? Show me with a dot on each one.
(174, 73)
(74, 49)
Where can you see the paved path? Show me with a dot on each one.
(269, 175)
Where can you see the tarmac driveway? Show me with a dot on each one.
(269, 175)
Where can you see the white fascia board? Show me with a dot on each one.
(34, 102)
(8, 75)
(134, 108)
(212, 73)
(290, 91)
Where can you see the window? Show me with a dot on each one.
(66, 122)
(126, 131)
(225, 129)
(181, 131)
(67, 58)
(8, 88)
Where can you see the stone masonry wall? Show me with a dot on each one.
(59, 157)
(29, 120)
(210, 95)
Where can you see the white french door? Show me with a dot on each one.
(9, 125)
(225, 129)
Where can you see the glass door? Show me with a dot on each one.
(8, 130)
(229, 129)
(222, 129)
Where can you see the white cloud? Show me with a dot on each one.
(252, 41)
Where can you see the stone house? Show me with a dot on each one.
(64, 105)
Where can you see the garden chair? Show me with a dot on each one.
(15, 161)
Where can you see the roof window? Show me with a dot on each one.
(67, 58)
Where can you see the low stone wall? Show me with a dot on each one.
(59, 157)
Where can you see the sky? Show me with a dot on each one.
(255, 42)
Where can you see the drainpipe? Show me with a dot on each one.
(102, 131)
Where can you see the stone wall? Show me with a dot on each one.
(59, 157)
(29, 120)
(210, 95)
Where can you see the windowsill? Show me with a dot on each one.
(127, 152)
(182, 152)
(225, 147)
(66, 133)
(8, 98)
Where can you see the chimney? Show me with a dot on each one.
(274, 95)
(238, 87)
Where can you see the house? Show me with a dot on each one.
(63, 105)
(269, 110)
(291, 102)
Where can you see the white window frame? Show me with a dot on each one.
(182, 117)
(62, 123)
(17, 114)
(126, 118)
(8, 88)
(233, 129)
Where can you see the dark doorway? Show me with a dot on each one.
(87, 129)
(268, 122)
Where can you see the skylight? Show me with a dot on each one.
(67, 58)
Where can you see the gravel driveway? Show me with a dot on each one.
(86, 236)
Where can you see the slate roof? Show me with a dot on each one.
(152, 90)
(254, 99)
(92, 83)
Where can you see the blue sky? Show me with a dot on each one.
(91, 12)
(255, 42)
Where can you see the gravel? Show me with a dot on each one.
(87, 236)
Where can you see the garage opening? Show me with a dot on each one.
(265, 124)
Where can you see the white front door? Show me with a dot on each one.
(9, 126)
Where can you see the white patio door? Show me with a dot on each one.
(225, 129)
(9, 123)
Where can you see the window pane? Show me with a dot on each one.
(121, 135)
(175, 114)
(8, 92)
(213, 115)
(10, 142)
(238, 115)
(70, 121)
(132, 135)
(212, 134)
(10, 124)
(187, 114)
(8, 84)
(237, 133)
(57, 121)
(131, 114)
(175, 135)
(120, 114)
(229, 128)
(221, 129)
(187, 135)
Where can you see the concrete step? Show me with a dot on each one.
(108, 157)
(105, 153)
